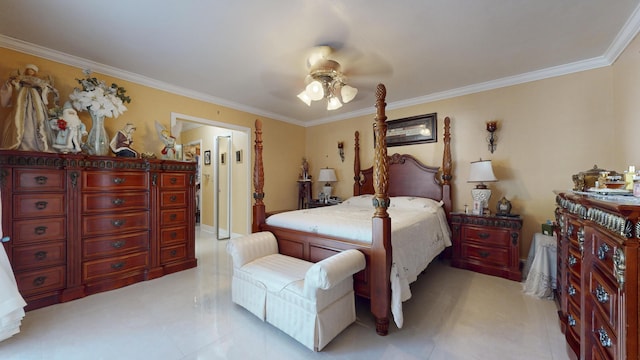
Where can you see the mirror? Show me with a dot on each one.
(223, 186)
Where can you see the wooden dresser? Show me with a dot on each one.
(487, 244)
(597, 290)
(76, 225)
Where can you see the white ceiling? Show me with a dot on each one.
(251, 54)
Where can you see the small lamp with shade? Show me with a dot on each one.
(481, 172)
(327, 176)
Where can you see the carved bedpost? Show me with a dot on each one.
(356, 165)
(446, 168)
(258, 181)
(381, 252)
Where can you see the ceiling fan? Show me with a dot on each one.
(326, 80)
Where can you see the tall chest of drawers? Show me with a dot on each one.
(598, 275)
(77, 225)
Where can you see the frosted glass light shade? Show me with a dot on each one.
(348, 93)
(333, 103)
(314, 90)
(305, 98)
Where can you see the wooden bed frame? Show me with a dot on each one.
(396, 175)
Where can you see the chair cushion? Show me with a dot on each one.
(276, 271)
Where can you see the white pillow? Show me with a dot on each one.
(359, 200)
(414, 202)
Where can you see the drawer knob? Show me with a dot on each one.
(572, 290)
(605, 341)
(118, 244)
(119, 180)
(483, 235)
(40, 255)
(173, 217)
(41, 205)
(40, 230)
(484, 254)
(41, 180)
(173, 252)
(118, 265)
(173, 198)
(602, 251)
(572, 260)
(117, 222)
(601, 294)
(118, 201)
(571, 320)
(39, 281)
(173, 180)
(174, 234)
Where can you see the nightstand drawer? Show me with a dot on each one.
(485, 254)
(499, 237)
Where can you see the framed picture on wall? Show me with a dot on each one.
(207, 157)
(412, 130)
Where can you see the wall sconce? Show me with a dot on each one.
(492, 126)
(341, 150)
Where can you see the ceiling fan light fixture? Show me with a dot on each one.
(315, 90)
(333, 103)
(305, 98)
(348, 93)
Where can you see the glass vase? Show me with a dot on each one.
(98, 140)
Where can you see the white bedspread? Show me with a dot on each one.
(419, 231)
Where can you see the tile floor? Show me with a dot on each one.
(453, 314)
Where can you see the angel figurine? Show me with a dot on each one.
(169, 150)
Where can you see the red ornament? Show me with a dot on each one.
(62, 125)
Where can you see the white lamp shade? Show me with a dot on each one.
(314, 90)
(305, 98)
(327, 175)
(333, 103)
(348, 93)
(481, 171)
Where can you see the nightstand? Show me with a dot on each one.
(487, 244)
(315, 203)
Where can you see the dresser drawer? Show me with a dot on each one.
(38, 205)
(485, 254)
(604, 296)
(173, 235)
(33, 256)
(574, 291)
(38, 180)
(173, 181)
(39, 281)
(173, 253)
(602, 251)
(574, 324)
(123, 201)
(112, 181)
(114, 223)
(499, 237)
(92, 270)
(603, 338)
(173, 198)
(115, 245)
(36, 230)
(173, 216)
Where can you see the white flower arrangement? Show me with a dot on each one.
(98, 98)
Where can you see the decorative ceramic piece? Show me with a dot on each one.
(504, 206)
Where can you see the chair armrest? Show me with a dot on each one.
(331, 271)
(247, 248)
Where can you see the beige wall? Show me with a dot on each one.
(547, 131)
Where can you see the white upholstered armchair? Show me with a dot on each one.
(310, 302)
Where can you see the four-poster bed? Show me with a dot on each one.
(389, 177)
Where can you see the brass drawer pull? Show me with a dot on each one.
(117, 201)
(602, 251)
(601, 294)
(40, 230)
(173, 198)
(484, 236)
(119, 180)
(40, 255)
(41, 205)
(118, 265)
(118, 244)
(173, 180)
(118, 222)
(39, 281)
(605, 341)
(484, 254)
(41, 180)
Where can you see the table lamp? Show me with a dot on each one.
(327, 175)
(481, 172)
